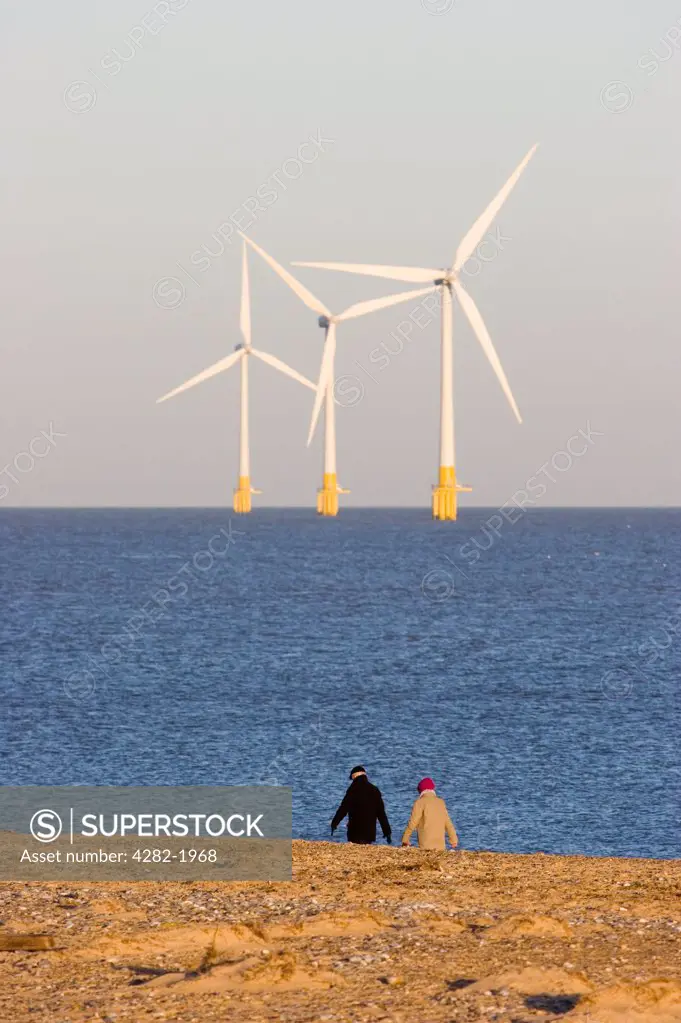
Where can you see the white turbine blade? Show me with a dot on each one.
(477, 323)
(481, 225)
(415, 274)
(325, 372)
(301, 291)
(374, 304)
(245, 321)
(272, 360)
(218, 367)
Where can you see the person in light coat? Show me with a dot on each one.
(430, 819)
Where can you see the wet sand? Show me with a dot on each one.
(362, 933)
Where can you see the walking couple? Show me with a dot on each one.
(363, 805)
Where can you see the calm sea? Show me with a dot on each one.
(532, 670)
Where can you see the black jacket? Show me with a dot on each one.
(363, 805)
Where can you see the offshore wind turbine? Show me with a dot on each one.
(447, 281)
(327, 495)
(241, 355)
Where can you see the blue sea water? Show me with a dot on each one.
(532, 671)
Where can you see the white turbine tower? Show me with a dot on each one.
(327, 495)
(241, 354)
(447, 281)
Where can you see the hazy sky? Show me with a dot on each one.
(127, 140)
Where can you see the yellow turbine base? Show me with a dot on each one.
(444, 495)
(242, 496)
(327, 496)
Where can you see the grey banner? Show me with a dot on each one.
(184, 833)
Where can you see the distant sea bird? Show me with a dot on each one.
(447, 281)
(242, 354)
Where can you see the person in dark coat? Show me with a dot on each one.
(363, 805)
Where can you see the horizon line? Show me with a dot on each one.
(346, 509)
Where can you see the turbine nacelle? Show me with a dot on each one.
(446, 277)
(243, 350)
(328, 322)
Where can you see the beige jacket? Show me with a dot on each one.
(429, 818)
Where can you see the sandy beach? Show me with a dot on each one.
(361, 933)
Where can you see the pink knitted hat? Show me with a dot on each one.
(425, 784)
